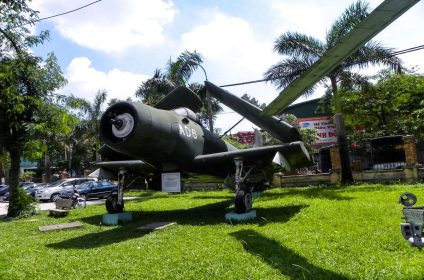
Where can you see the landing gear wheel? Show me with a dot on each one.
(243, 202)
(112, 205)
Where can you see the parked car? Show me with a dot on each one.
(4, 192)
(96, 189)
(51, 191)
(6, 196)
(30, 188)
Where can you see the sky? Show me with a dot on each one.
(115, 45)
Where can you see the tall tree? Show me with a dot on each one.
(26, 82)
(176, 73)
(393, 105)
(89, 114)
(53, 131)
(302, 51)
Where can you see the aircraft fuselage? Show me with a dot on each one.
(165, 139)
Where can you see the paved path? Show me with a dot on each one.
(50, 205)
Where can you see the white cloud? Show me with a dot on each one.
(229, 43)
(232, 54)
(112, 25)
(84, 80)
(306, 17)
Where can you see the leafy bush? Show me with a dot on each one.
(23, 206)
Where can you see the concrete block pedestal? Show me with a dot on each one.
(114, 219)
(233, 216)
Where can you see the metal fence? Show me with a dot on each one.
(376, 154)
(387, 152)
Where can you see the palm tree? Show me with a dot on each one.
(177, 73)
(302, 51)
(88, 129)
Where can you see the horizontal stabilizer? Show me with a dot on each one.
(295, 154)
(180, 97)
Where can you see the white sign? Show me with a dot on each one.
(171, 182)
(326, 129)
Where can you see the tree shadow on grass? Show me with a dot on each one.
(210, 214)
(279, 257)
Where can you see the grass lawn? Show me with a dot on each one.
(300, 233)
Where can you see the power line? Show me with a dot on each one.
(413, 49)
(64, 13)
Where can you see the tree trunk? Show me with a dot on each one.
(47, 170)
(346, 172)
(15, 161)
(70, 156)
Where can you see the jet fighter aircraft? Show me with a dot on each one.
(148, 141)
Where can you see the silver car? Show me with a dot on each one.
(51, 191)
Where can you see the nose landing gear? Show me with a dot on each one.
(243, 200)
(115, 202)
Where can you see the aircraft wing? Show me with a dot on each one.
(180, 97)
(134, 166)
(292, 154)
(377, 20)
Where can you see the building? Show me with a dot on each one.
(307, 117)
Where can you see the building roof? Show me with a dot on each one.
(305, 109)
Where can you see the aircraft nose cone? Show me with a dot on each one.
(122, 125)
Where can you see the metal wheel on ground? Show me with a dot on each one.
(112, 205)
(54, 197)
(243, 201)
(81, 203)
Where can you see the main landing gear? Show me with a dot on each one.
(243, 200)
(115, 202)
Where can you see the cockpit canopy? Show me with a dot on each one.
(185, 112)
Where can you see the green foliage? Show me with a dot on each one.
(393, 105)
(177, 72)
(27, 174)
(234, 142)
(27, 83)
(23, 205)
(84, 141)
(308, 135)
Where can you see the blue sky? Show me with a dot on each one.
(117, 44)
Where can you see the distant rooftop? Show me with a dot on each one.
(305, 109)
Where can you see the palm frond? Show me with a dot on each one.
(372, 53)
(286, 71)
(299, 45)
(348, 20)
(181, 70)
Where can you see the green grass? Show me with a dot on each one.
(300, 233)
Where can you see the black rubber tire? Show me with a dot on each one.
(112, 205)
(243, 202)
